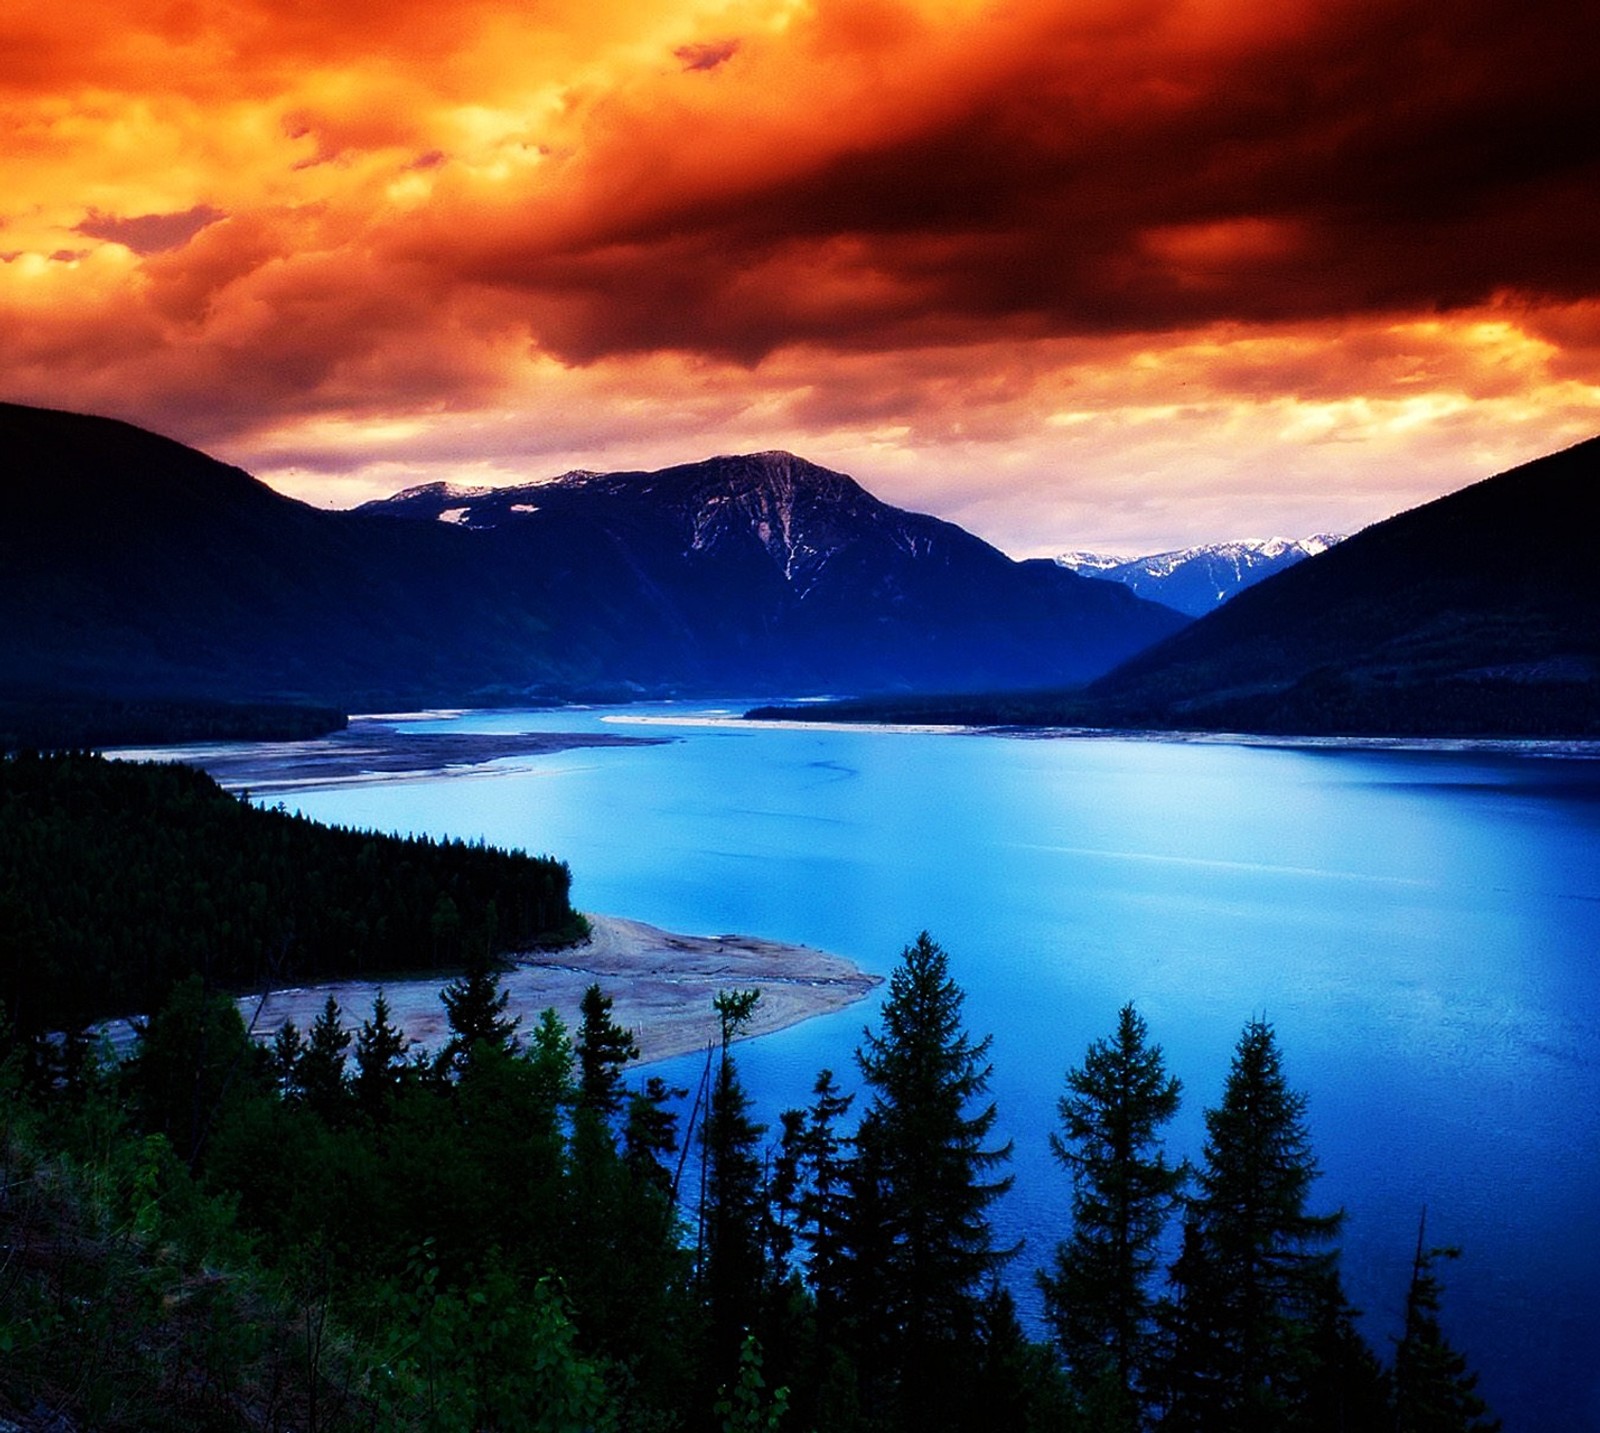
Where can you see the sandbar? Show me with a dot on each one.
(371, 749)
(661, 985)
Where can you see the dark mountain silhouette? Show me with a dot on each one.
(132, 565)
(1479, 612)
(766, 567)
(1475, 615)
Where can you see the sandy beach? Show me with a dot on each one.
(661, 984)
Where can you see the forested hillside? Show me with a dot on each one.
(342, 1232)
(119, 879)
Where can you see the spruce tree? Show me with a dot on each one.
(783, 1195)
(824, 1202)
(476, 1008)
(380, 1061)
(288, 1049)
(321, 1068)
(925, 1137)
(604, 1048)
(1255, 1265)
(1097, 1295)
(650, 1134)
(1433, 1390)
(732, 1269)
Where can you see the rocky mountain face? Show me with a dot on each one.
(130, 564)
(780, 572)
(1476, 613)
(1198, 580)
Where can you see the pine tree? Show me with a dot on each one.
(732, 1269)
(933, 1167)
(288, 1049)
(1098, 1295)
(1434, 1391)
(604, 1048)
(783, 1195)
(475, 1006)
(824, 1204)
(1341, 1385)
(650, 1134)
(322, 1065)
(380, 1061)
(1255, 1266)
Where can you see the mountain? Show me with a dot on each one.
(770, 570)
(134, 566)
(1476, 613)
(1197, 580)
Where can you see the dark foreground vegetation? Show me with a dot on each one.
(119, 879)
(344, 1232)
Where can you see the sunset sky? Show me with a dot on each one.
(1125, 274)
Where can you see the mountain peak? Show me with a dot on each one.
(1196, 580)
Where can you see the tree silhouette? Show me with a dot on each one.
(928, 1150)
(1097, 1293)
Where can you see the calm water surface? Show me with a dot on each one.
(1422, 929)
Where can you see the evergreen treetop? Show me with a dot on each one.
(1098, 1294)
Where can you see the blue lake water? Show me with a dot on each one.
(1422, 929)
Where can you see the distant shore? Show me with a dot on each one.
(1583, 748)
(661, 985)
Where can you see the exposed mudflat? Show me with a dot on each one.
(371, 747)
(661, 985)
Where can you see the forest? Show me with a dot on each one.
(519, 1230)
(118, 879)
(34, 719)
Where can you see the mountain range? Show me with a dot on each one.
(1477, 614)
(136, 569)
(1198, 580)
(132, 565)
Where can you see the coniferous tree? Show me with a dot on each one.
(1097, 1294)
(476, 1008)
(550, 1057)
(288, 1049)
(1341, 1386)
(824, 1204)
(194, 1061)
(380, 1061)
(650, 1134)
(322, 1066)
(1434, 1392)
(604, 1048)
(732, 1270)
(928, 1151)
(783, 1194)
(1255, 1265)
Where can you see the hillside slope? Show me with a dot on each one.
(134, 566)
(1479, 612)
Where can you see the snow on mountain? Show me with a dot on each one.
(1196, 580)
(764, 565)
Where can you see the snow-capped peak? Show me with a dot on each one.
(451, 492)
(1197, 579)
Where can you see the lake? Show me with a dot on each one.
(1421, 927)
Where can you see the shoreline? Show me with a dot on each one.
(661, 984)
(1572, 748)
(370, 750)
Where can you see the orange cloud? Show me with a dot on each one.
(1063, 244)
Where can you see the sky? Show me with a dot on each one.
(1121, 275)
